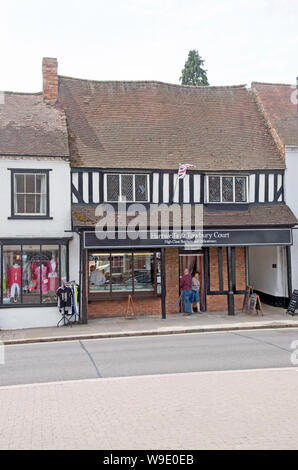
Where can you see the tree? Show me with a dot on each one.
(193, 72)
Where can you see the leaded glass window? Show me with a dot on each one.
(127, 187)
(227, 189)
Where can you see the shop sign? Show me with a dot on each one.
(189, 239)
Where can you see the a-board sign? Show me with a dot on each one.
(293, 303)
(248, 291)
(252, 302)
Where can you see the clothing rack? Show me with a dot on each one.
(68, 301)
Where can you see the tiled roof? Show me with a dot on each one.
(280, 108)
(30, 127)
(157, 125)
(255, 216)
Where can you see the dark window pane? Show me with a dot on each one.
(127, 187)
(141, 188)
(99, 272)
(12, 274)
(144, 271)
(37, 204)
(121, 272)
(41, 184)
(240, 189)
(49, 272)
(31, 274)
(30, 184)
(19, 183)
(227, 189)
(214, 189)
(19, 204)
(30, 204)
(112, 187)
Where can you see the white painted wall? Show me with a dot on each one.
(262, 276)
(33, 317)
(291, 197)
(74, 258)
(60, 204)
(60, 211)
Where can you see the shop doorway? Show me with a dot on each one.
(194, 262)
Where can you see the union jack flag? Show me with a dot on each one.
(182, 170)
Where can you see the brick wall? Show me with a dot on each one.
(116, 308)
(219, 302)
(172, 280)
(50, 79)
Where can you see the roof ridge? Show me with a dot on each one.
(270, 84)
(157, 82)
(36, 93)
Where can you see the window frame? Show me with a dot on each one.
(110, 294)
(24, 171)
(41, 242)
(234, 195)
(120, 187)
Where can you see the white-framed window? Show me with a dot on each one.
(30, 193)
(126, 186)
(226, 189)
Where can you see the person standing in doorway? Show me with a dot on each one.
(196, 292)
(186, 286)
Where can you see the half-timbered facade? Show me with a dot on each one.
(126, 141)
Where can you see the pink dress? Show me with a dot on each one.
(44, 277)
(52, 277)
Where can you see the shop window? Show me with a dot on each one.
(227, 189)
(127, 272)
(30, 193)
(32, 274)
(126, 187)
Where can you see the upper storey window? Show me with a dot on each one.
(227, 189)
(30, 193)
(127, 187)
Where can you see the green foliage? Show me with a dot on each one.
(193, 72)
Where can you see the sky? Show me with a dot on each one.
(241, 40)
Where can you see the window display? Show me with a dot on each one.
(31, 274)
(113, 272)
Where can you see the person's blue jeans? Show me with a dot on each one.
(187, 294)
(195, 297)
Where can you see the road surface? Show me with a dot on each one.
(124, 357)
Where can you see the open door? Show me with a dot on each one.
(194, 262)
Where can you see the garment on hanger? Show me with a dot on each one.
(52, 276)
(65, 297)
(14, 275)
(44, 278)
(76, 299)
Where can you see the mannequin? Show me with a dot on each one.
(44, 278)
(53, 274)
(15, 281)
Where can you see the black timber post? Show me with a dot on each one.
(83, 281)
(289, 271)
(231, 306)
(163, 284)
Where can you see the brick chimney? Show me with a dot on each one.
(50, 79)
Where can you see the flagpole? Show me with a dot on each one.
(175, 187)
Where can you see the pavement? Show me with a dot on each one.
(273, 317)
(253, 409)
